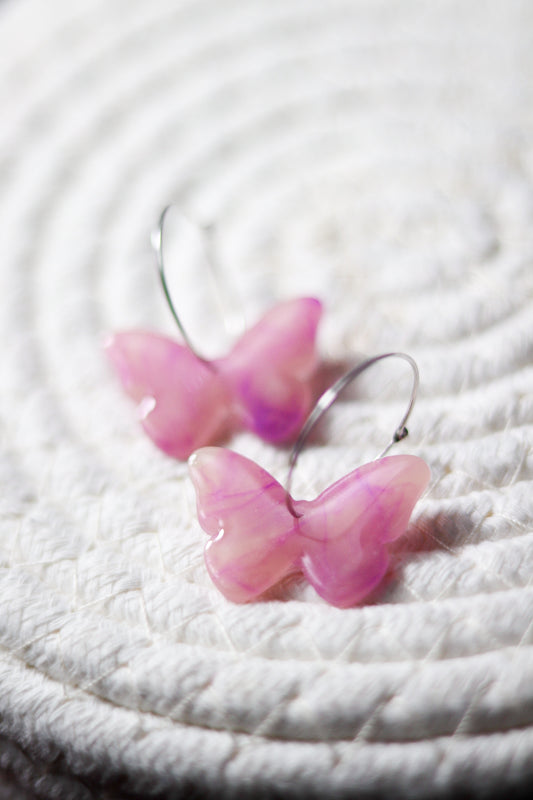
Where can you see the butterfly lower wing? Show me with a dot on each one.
(242, 507)
(182, 402)
(270, 367)
(346, 528)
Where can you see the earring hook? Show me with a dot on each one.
(328, 398)
(158, 245)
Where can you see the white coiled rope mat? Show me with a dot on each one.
(380, 156)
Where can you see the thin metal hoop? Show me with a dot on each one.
(158, 245)
(328, 398)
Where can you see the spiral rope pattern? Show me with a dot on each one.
(378, 155)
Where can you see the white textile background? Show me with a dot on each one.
(378, 155)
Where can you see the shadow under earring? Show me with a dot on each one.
(259, 534)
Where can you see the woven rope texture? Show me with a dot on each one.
(378, 155)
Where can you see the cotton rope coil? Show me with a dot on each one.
(378, 155)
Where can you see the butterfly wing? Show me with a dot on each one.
(270, 367)
(182, 402)
(242, 508)
(346, 528)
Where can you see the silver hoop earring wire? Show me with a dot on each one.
(157, 240)
(328, 398)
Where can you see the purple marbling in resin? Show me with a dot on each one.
(263, 385)
(338, 540)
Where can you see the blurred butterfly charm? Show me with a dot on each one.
(337, 540)
(263, 385)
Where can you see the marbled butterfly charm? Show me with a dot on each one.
(263, 385)
(259, 534)
(338, 541)
(185, 401)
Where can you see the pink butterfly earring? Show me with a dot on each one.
(186, 401)
(259, 534)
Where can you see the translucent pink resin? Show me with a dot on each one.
(263, 385)
(338, 542)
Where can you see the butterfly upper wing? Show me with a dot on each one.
(347, 526)
(270, 367)
(242, 507)
(286, 335)
(183, 403)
